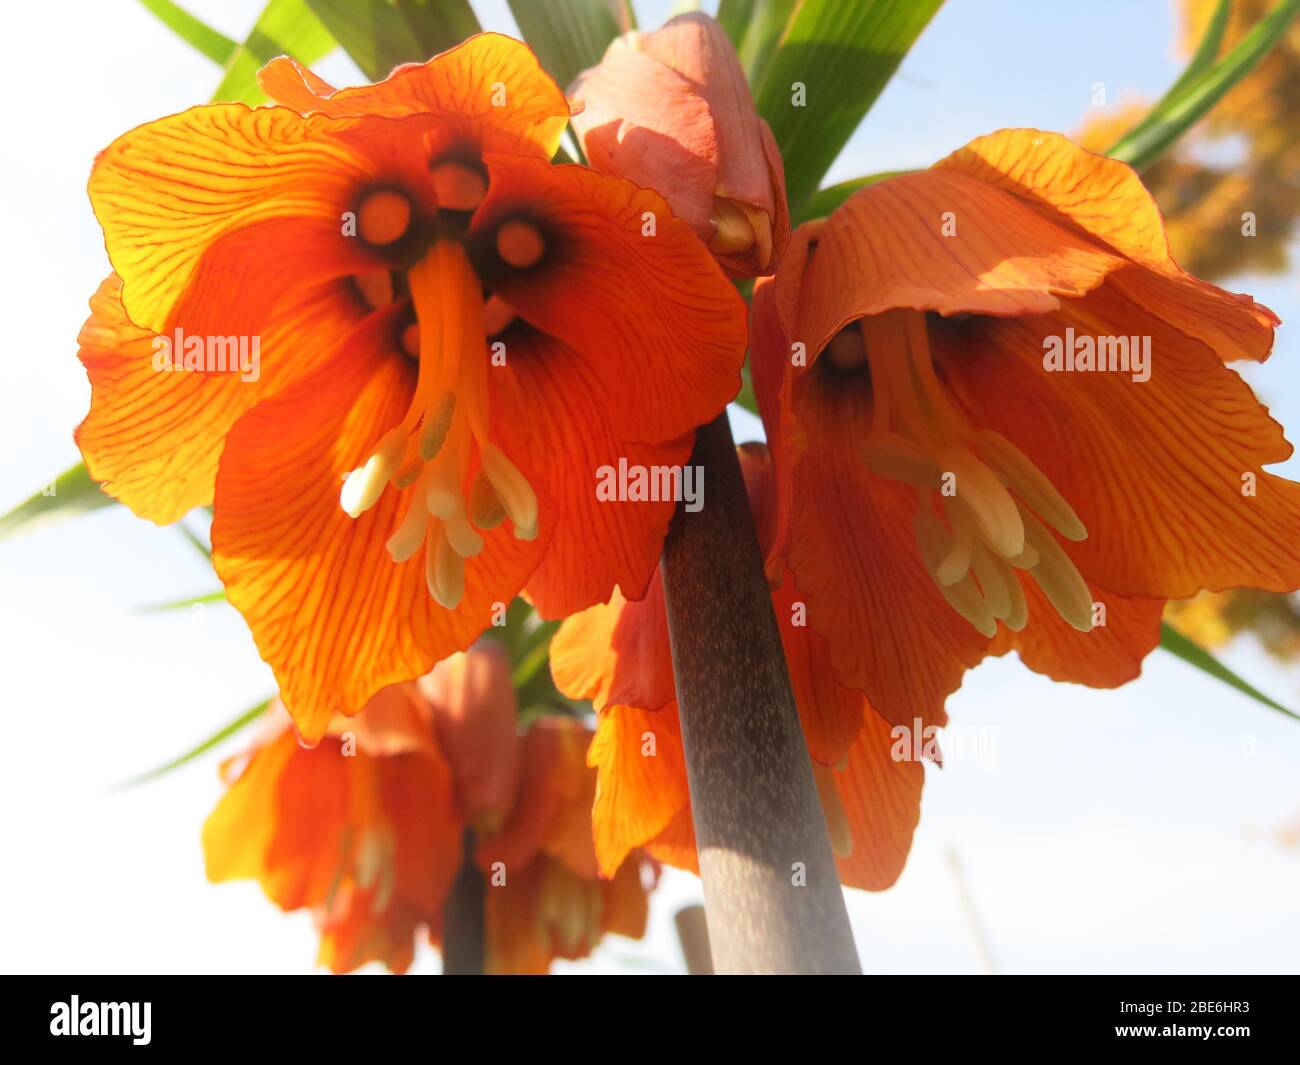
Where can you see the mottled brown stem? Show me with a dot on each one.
(693, 934)
(771, 889)
(464, 919)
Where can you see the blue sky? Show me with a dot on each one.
(1114, 831)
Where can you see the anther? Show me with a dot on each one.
(411, 340)
(376, 288)
(847, 350)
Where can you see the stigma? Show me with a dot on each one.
(984, 509)
(454, 480)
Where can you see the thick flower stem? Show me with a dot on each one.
(771, 890)
(464, 919)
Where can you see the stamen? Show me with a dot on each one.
(444, 569)
(520, 244)
(406, 541)
(513, 490)
(893, 457)
(437, 423)
(987, 502)
(1057, 576)
(995, 577)
(383, 216)
(957, 562)
(458, 187)
(963, 596)
(364, 485)
(461, 535)
(1030, 484)
(485, 509)
(837, 819)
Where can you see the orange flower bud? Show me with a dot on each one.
(475, 714)
(672, 111)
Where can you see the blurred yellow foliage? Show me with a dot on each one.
(1245, 157)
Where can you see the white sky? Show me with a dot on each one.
(1119, 832)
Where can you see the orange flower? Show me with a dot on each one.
(444, 323)
(939, 476)
(366, 829)
(617, 655)
(672, 110)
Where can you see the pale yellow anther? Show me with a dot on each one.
(933, 541)
(837, 818)
(1030, 484)
(437, 423)
(364, 485)
(461, 535)
(376, 288)
(444, 569)
(485, 509)
(383, 217)
(995, 578)
(958, 559)
(520, 243)
(406, 541)
(1058, 577)
(513, 490)
(986, 500)
(893, 457)
(458, 187)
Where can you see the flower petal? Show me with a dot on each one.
(551, 415)
(882, 804)
(669, 360)
(1106, 199)
(490, 85)
(937, 240)
(153, 437)
(642, 785)
(331, 612)
(1157, 470)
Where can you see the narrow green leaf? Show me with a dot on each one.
(69, 494)
(824, 201)
(734, 16)
(833, 60)
(568, 35)
(1190, 100)
(372, 32)
(223, 733)
(438, 24)
(216, 46)
(285, 27)
(1208, 50)
(1193, 654)
(762, 36)
(218, 596)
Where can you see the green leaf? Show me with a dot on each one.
(438, 24)
(69, 494)
(762, 35)
(1193, 654)
(734, 16)
(222, 734)
(372, 32)
(843, 54)
(824, 201)
(569, 35)
(216, 46)
(285, 27)
(1191, 99)
(1208, 50)
(219, 596)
